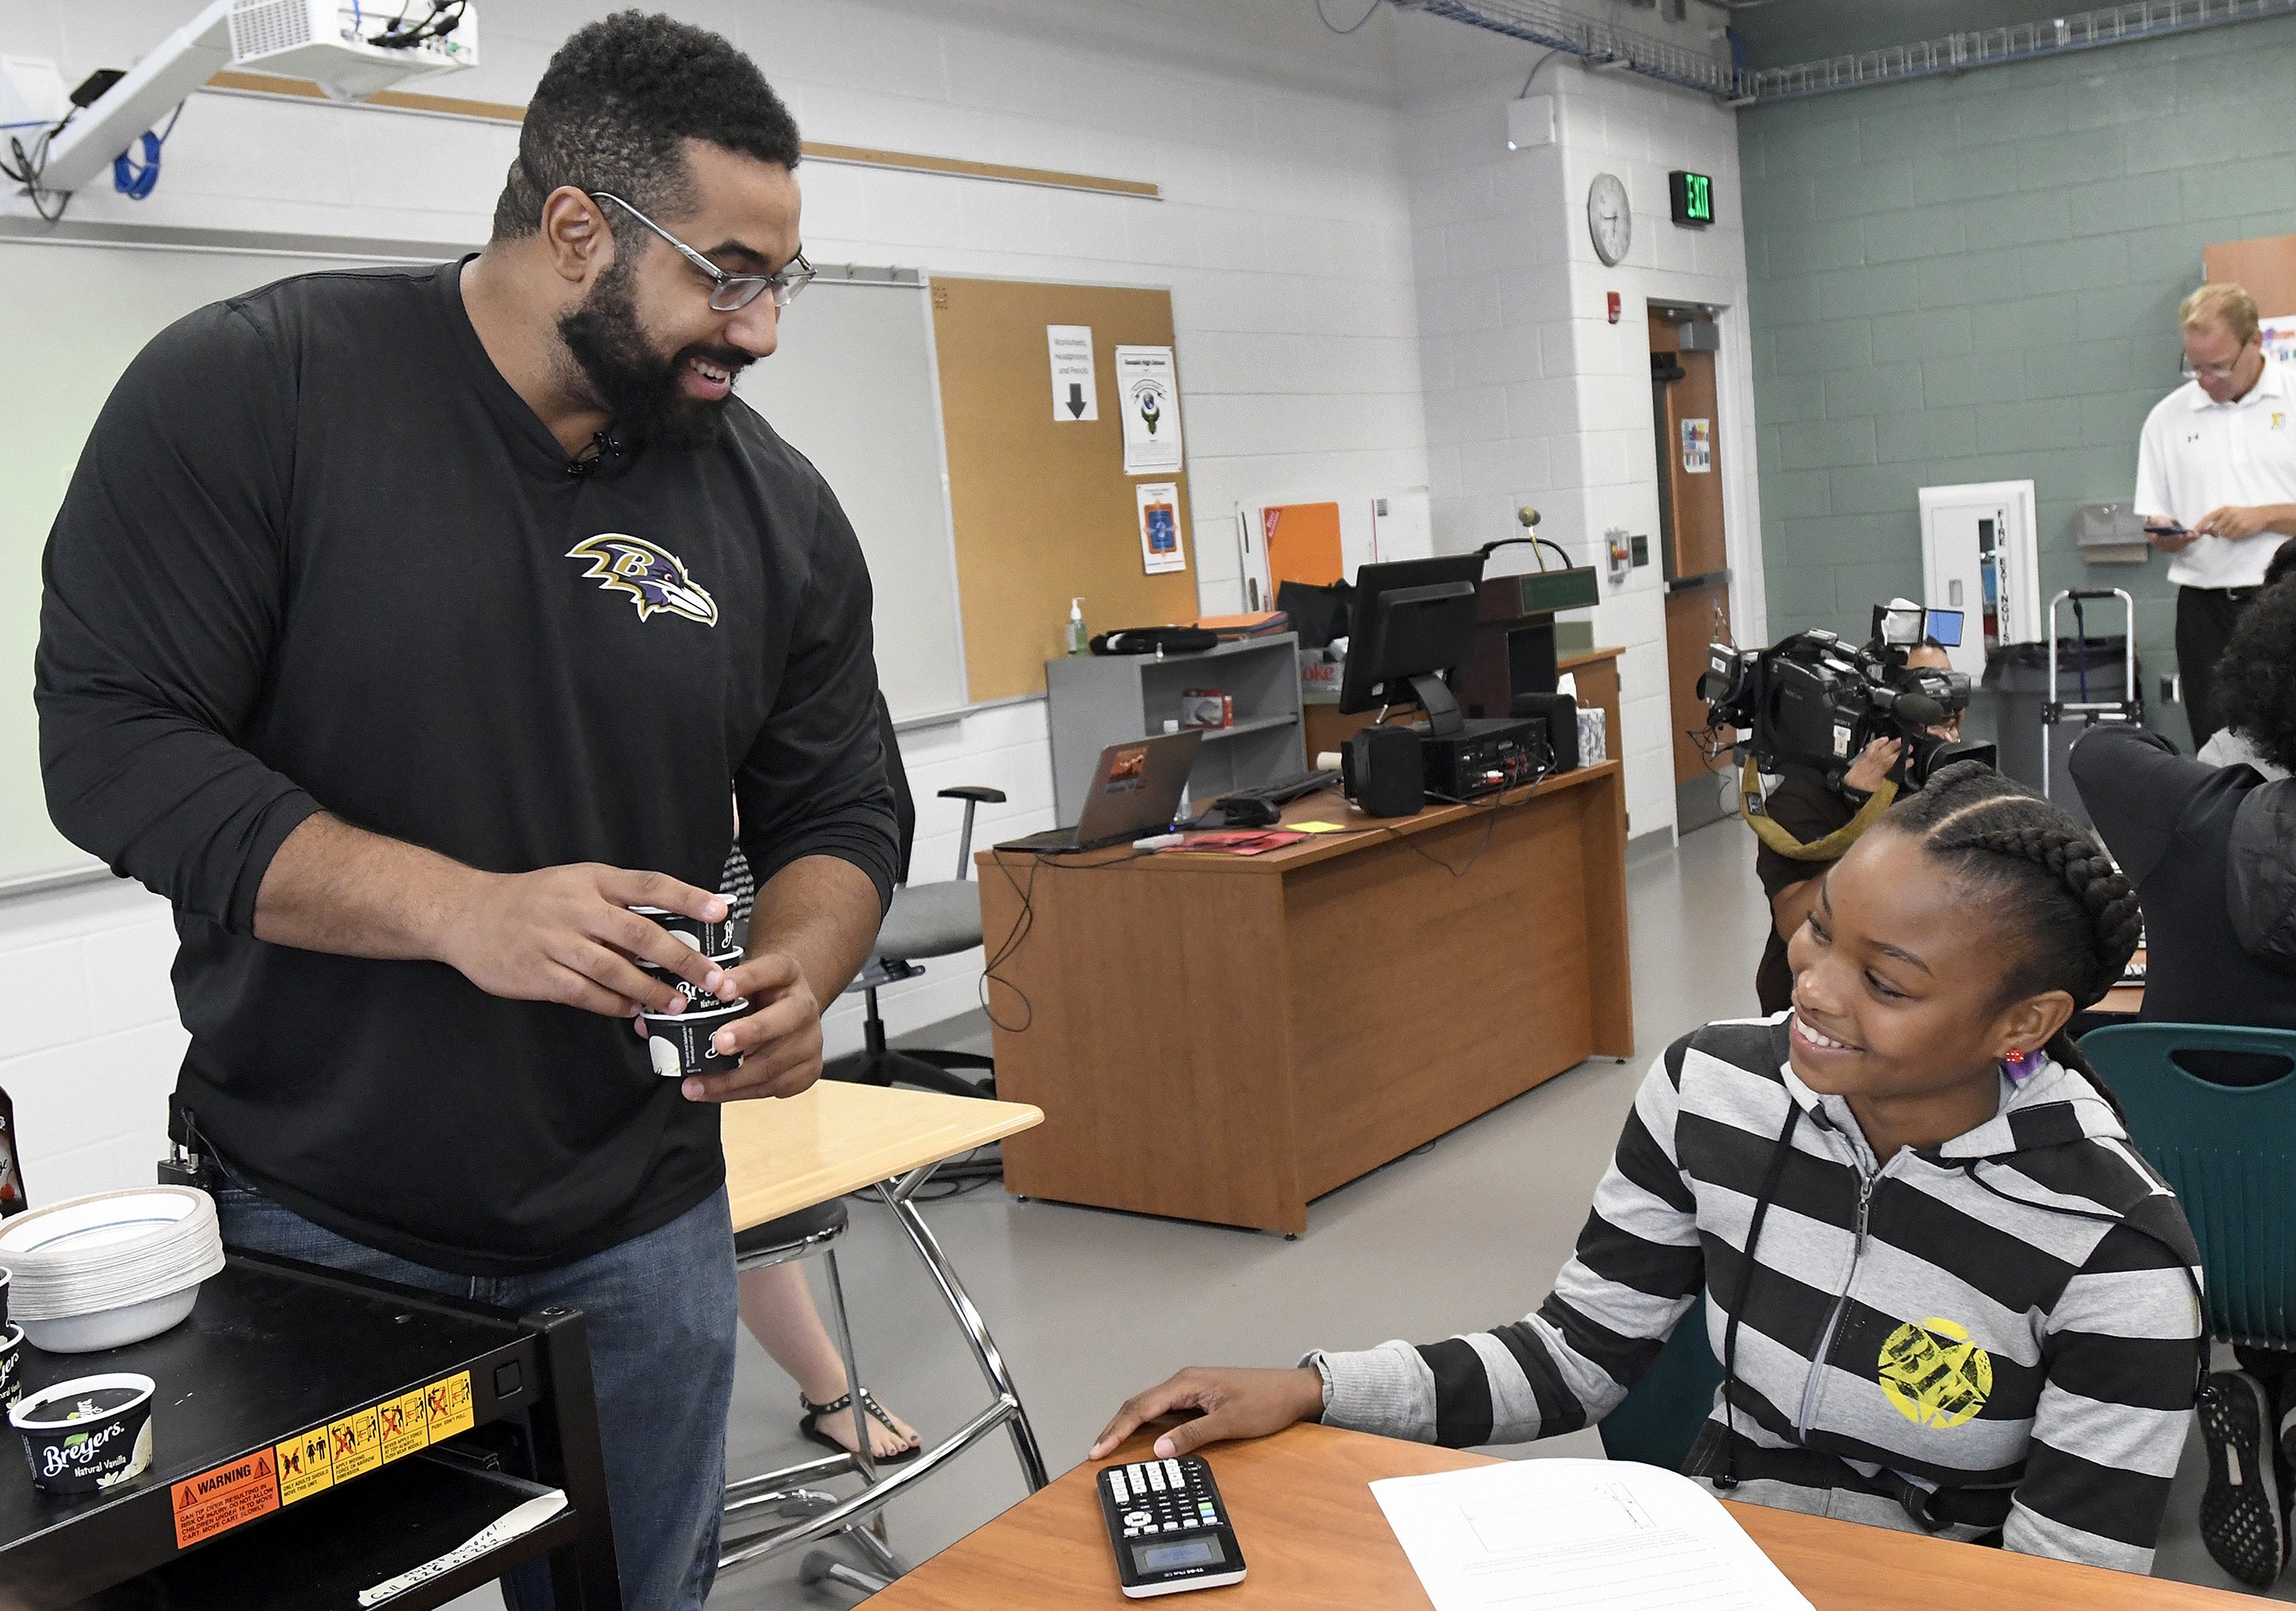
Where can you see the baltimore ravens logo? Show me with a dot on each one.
(654, 577)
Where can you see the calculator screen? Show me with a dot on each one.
(1173, 1557)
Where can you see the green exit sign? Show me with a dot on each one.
(1694, 198)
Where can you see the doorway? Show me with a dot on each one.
(1693, 550)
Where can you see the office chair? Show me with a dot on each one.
(1658, 1419)
(2228, 1150)
(924, 920)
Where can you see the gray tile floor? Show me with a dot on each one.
(1089, 1306)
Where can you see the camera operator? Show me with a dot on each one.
(1808, 810)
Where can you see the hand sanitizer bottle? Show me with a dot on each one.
(1078, 643)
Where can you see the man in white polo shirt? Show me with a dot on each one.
(2218, 460)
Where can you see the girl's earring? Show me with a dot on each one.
(2017, 1064)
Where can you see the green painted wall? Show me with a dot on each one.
(1975, 280)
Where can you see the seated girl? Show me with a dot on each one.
(1946, 1293)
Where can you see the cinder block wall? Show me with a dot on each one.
(1977, 279)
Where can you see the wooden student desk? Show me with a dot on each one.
(1313, 1538)
(784, 1155)
(1224, 1037)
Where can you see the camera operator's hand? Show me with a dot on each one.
(1872, 768)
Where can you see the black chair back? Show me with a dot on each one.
(904, 804)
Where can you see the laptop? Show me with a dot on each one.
(1135, 791)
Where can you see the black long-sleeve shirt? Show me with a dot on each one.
(318, 555)
(2169, 820)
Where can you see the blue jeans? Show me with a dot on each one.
(661, 1317)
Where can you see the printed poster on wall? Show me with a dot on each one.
(1160, 528)
(1151, 404)
(2279, 338)
(1698, 446)
(1076, 390)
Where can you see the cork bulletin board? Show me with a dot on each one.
(1044, 512)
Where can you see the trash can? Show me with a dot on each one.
(2008, 701)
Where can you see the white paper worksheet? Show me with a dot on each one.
(1560, 1534)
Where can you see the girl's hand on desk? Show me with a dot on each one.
(1235, 1403)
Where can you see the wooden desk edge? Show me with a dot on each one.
(1837, 1563)
(1319, 847)
(1585, 657)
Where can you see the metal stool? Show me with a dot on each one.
(812, 1514)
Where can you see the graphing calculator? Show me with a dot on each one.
(1169, 1527)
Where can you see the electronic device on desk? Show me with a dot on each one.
(1404, 639)
(1135, 791)
(1169, 1527)
(1261, 806)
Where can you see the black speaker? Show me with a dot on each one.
(1381, 771)
(1559, 711)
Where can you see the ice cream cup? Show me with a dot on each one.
(710, 939)
(728, 960)
(91, 1433)
(678, 1043)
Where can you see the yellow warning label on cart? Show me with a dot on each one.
(216, 1501)
(447, 1406)
(304, 1467)
(402, 1424)
(354, 1445)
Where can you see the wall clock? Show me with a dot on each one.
(1609, 218)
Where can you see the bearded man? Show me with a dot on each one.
(404, 630)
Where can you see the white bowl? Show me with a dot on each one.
(111, 1328)
(85, 1226)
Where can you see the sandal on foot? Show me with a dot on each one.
(809, 1425)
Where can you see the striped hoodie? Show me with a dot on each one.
(1998, 1337)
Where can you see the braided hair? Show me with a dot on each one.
(2048, 875)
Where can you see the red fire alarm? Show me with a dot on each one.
(1614, 307)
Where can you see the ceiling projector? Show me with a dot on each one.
(349, 50)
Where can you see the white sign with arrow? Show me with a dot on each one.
(1076, 394)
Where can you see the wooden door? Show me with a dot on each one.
(1689, 471)
(1696, 617)
(1689, 457)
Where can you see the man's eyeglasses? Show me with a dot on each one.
(2211, 372)
(728, 293)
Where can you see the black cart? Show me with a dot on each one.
(315, 1434)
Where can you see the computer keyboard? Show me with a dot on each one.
(1284, 790)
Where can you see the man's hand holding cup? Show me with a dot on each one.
(753, 1029)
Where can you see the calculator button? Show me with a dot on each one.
(1156, 1478)
(1135, 1519)
(1172, 1473)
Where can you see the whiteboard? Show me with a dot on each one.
(852, 387)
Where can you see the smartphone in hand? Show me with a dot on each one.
(2168, 530)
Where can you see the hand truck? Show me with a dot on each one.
(2129, 708)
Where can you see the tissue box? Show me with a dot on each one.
(1594, 737)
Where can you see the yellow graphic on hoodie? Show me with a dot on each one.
(1934, 1374)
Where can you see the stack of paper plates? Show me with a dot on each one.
(102, 1271)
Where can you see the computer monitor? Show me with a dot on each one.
(1443, 637)
(1421, 633)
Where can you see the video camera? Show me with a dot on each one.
(1812, 702)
